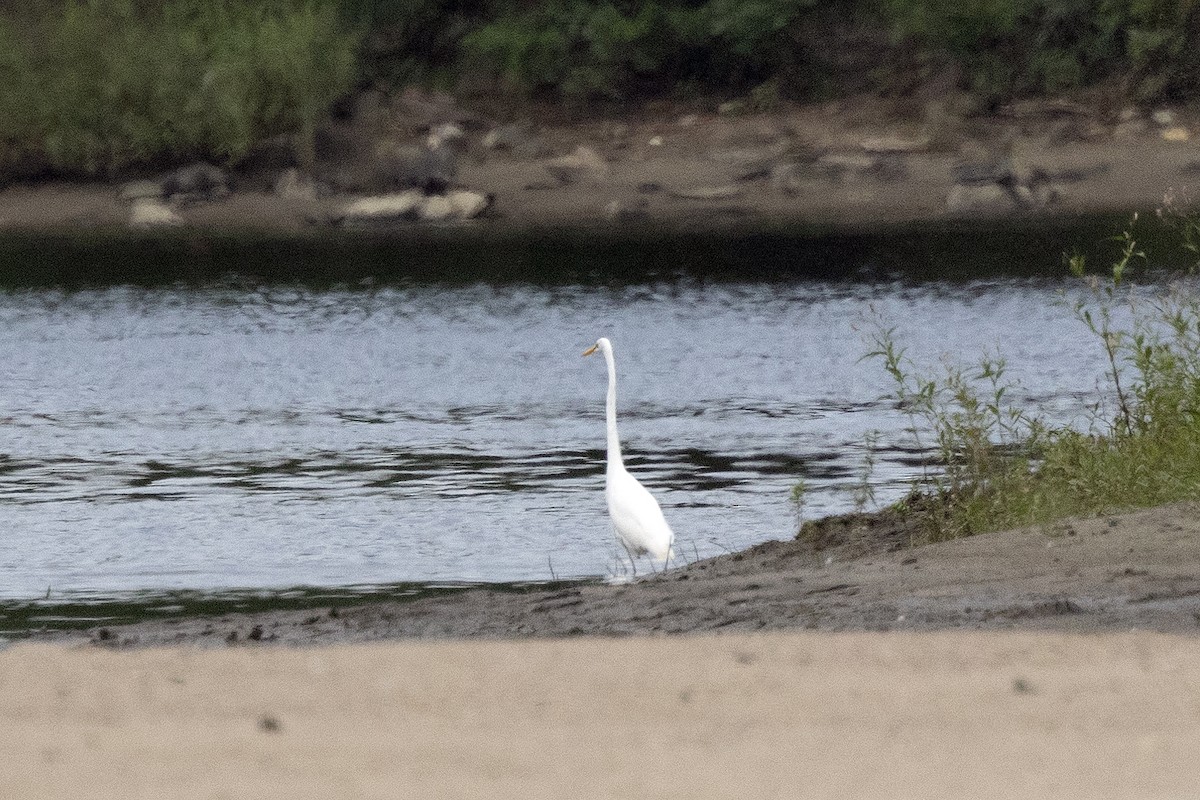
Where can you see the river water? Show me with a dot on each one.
(234, 433)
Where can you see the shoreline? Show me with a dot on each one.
(833, 168)
(1139, 570)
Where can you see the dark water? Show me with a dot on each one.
(238, 432)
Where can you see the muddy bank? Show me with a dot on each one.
(1132, 571)
(850, 164)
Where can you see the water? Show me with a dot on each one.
(242, 434)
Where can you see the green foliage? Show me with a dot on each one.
(105, 84)
(610, 50)
(1003, 468)
(1049, 45)
(415, 41)
(1160, 40)
(1013, 47)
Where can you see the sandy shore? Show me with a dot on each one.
(950, 715)
(1139, 570)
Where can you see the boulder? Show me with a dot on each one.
(383, 208)
(415, 205)
(469, 204)
(435, 208)
(431, 170)
(148, 213)
(446, 134)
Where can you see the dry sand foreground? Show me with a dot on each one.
(930, 715)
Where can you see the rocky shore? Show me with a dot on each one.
(421, 160)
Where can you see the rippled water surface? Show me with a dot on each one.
(158, 438)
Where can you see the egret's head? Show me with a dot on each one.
(601, 344)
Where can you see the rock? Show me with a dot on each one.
(446, 134)
(656, 141)
(150, 213)
(1130, 129)
(469, 204)
(687, 120)
(582, 164)
(708, 192)
(415, 205)
(1163, 117)
(383, 208)
(516, 139)
(731, 108)
(141, 190)
(435, 208)
(199, 182)
(292, 184)
(418, 167)
(987, 198)
(1176, 134)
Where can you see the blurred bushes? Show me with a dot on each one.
(1029, 46)
(618, 49)
(612, 50)
(93, 87)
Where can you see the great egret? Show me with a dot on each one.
(637, 520)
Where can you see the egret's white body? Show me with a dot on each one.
(637, 520)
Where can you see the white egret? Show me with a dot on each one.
(637, 520)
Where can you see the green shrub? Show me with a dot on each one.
(1001, 467)
(1014, 47)
(106, 84)
(612, 50)
(1049, 45)
(1161, 42)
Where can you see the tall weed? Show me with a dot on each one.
(1001, 466)
(104, 84)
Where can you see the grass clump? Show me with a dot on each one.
(1138, 445)
(96, 86)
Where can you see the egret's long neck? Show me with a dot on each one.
(614, 442)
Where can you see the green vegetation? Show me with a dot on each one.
(601, 50)
(1002, 467)
(1027, 46)
(93, 87)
